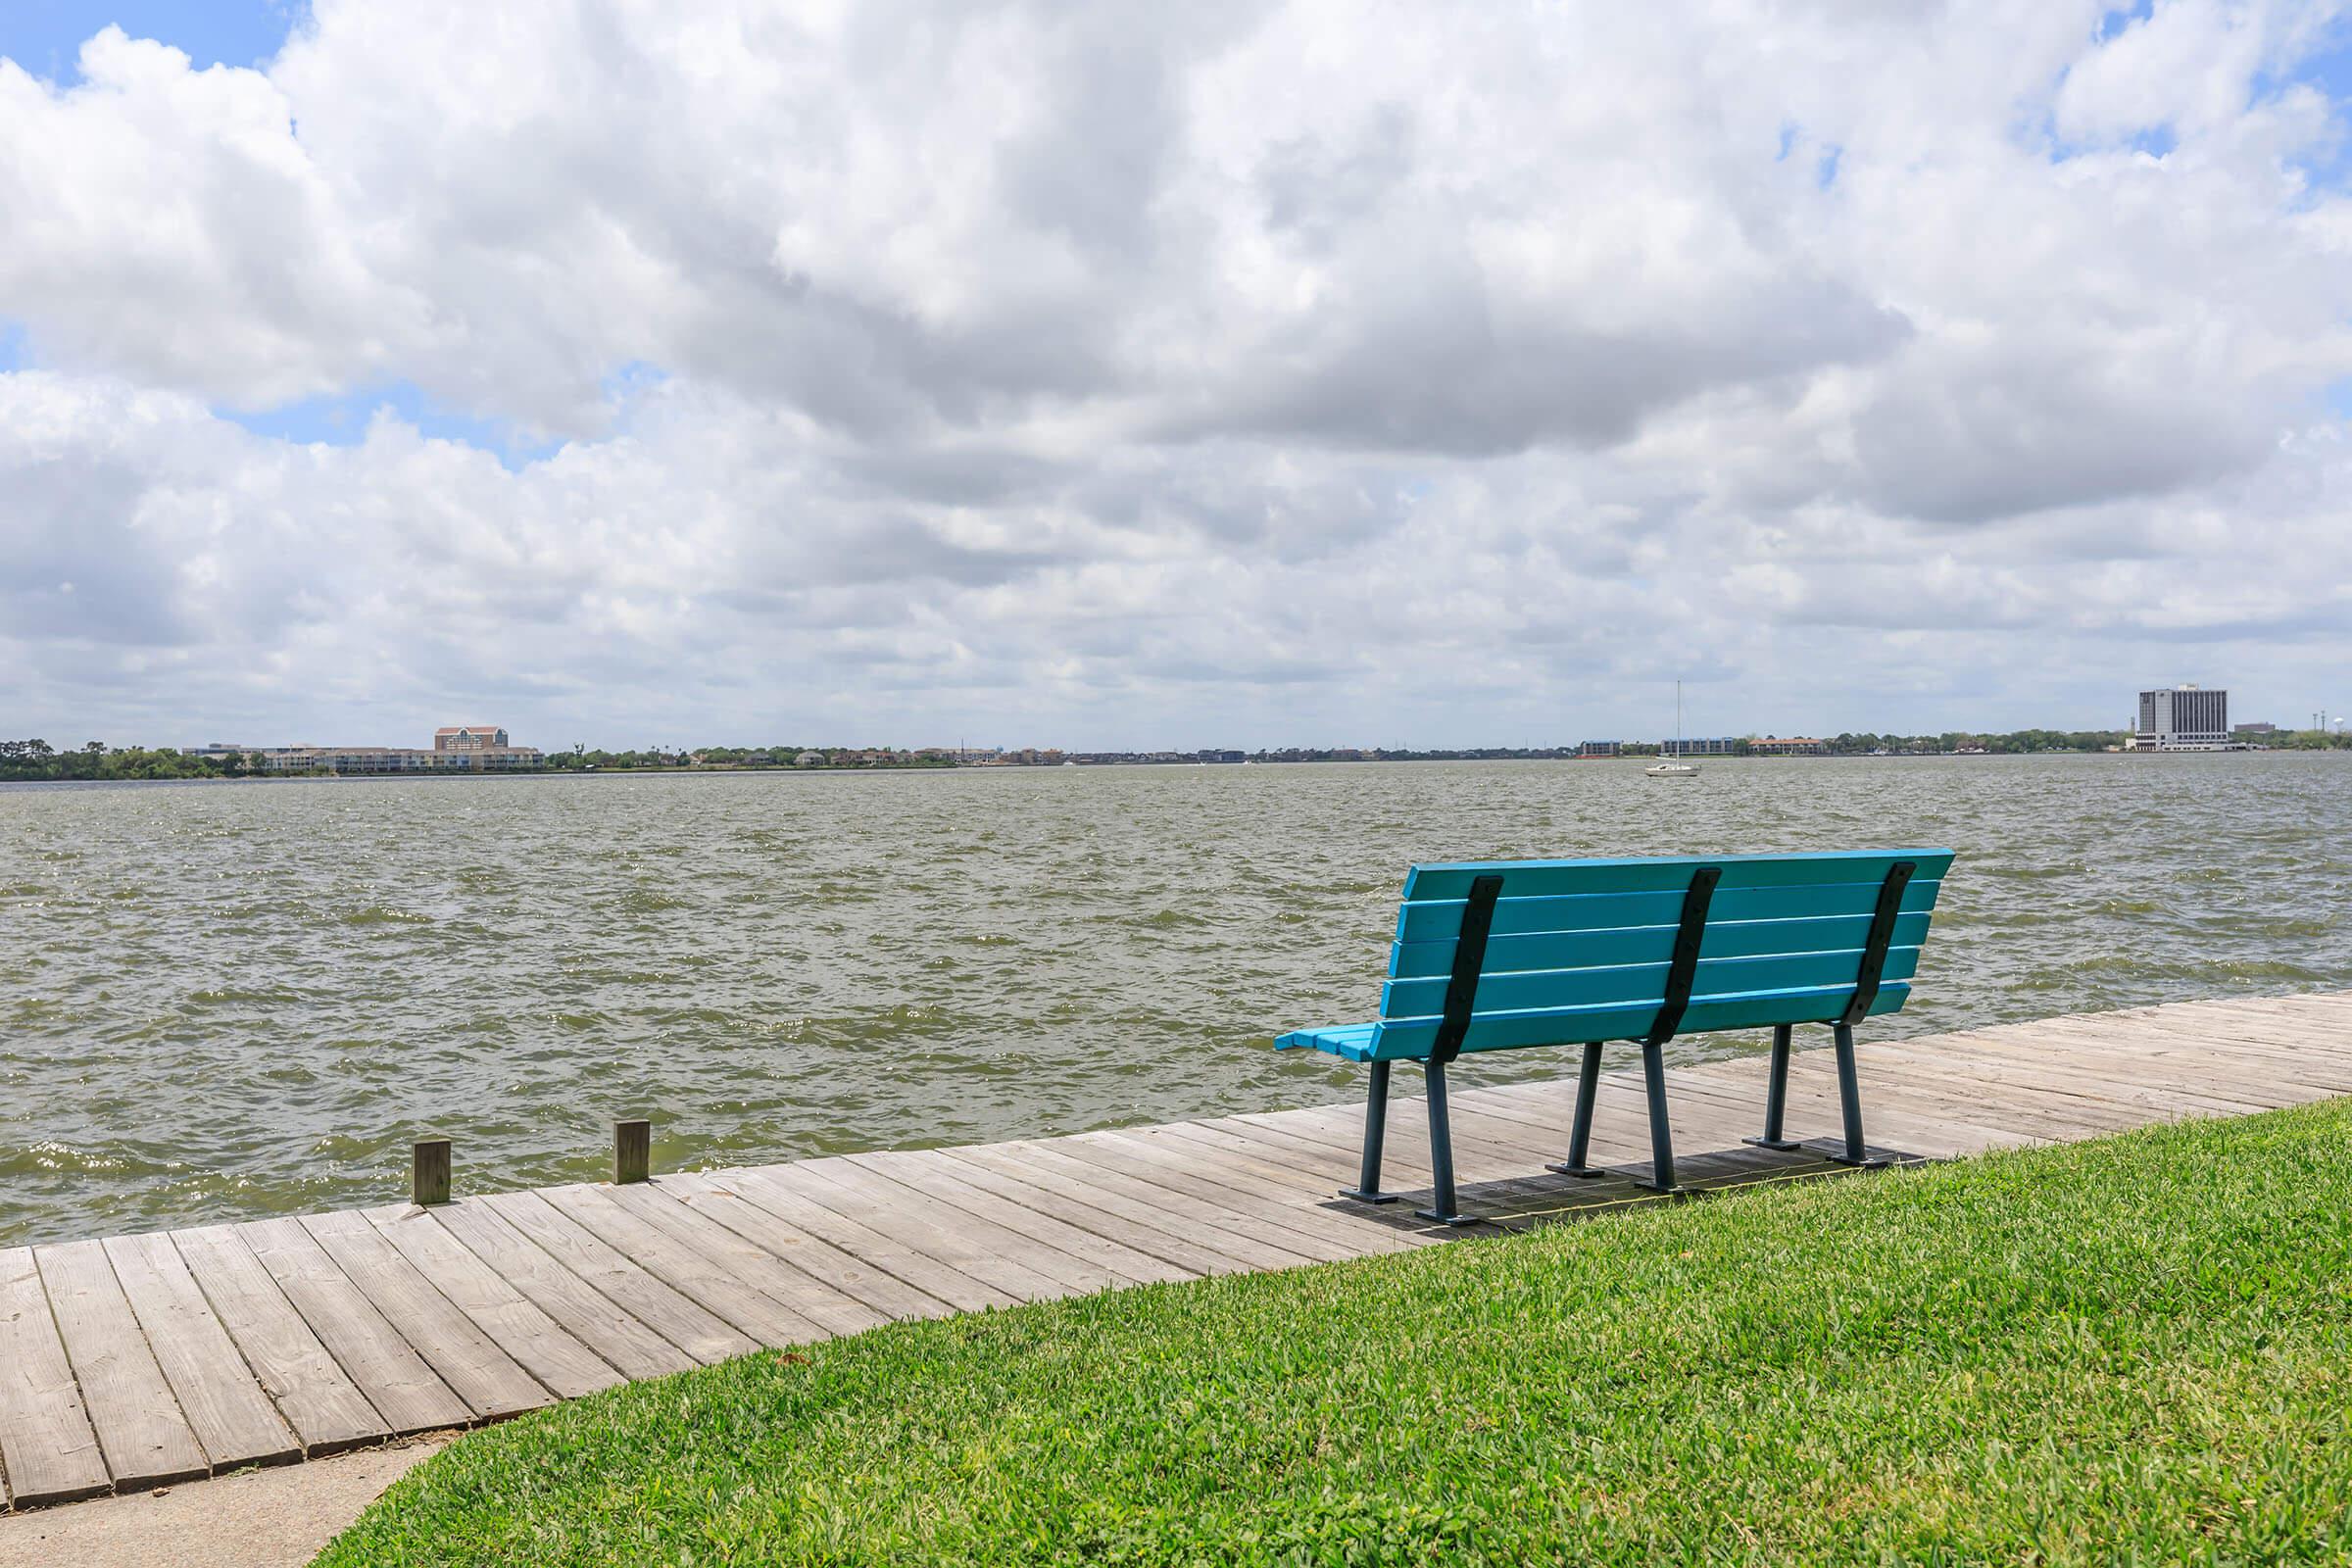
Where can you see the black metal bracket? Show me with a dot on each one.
(1684, 969)
(1469, 958)
(1874, 947)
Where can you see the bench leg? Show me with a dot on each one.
(1579, 1141)
(1850, 1098)
(1376, 1127)
(1776, 1093)
(1443, 1208)
(1661, 1131)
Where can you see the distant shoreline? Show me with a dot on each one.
(1644, 758)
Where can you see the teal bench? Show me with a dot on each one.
(1501, 954)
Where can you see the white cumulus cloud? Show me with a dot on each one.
(1111, 374)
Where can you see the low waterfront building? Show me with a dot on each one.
(458, 749)
(398, 760)
(1784, 746)
(1600, 748)
(1701, 746)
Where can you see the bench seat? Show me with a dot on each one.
(1511, 954)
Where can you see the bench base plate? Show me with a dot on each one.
(1363, 1196)
(1648, 1185)
(1867, 1162)
(1589, 1172)
(1436, 1218)
(1773, 1142)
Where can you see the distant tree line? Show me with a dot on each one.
(582, 758)
(2015, 742)
(38, 760)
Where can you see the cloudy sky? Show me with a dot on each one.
(1109, 375)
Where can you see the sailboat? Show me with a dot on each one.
(1670, 767)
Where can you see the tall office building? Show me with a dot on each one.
(2184, 718)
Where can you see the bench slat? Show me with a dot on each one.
(1441, 920)
(1507, 1031)
(1666, 873)
(1638, 984)
(1654, 943)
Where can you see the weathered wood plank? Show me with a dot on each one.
(468, 1361)
(47, 1447)
(2237, 1058)
(1242, 1186)
(585, 1312)
(317, 1398)
(710, 1194)
(1134, 1202)
(943, 1281)
(746, 1308)
(146, 1440)
(653, 1303)
(830, 1309)
(405, 1390)
(2063, 1114)
(938, 1178)
(535, 1341)
(1189, 1253)
(232, 1418)
(1479, 1153)
(2135, 1077)
(985, 1252)
(1888, 1113)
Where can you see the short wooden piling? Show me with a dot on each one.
(428, 1172)
(632, 1151)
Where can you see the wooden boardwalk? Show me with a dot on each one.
(142, 1360)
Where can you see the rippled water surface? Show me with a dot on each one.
(225, 1000)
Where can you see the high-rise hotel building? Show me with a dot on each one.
(2184, 718)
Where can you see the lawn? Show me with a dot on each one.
(2139, 1348)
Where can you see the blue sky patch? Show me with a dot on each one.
(342, 422)
(12, 346)
(45, 36)
(625, 383)
(2118, 18)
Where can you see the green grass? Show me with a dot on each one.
(2136, 1349)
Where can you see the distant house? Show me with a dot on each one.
(1791, 745)
(470, 738)
(810, 759)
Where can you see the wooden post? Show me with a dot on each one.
(429, 1180)
(632, 1151)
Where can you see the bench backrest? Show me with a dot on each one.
(1565, 952)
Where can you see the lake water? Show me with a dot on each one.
(231, 1000)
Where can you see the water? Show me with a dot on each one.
(231, 1000)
